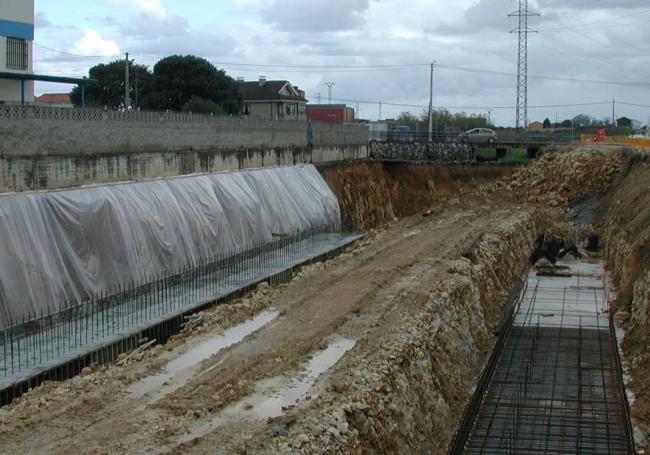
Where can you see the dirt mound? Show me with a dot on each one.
(559, 177)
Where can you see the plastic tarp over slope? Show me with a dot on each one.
(62, 246)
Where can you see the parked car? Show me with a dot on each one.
(478, 136)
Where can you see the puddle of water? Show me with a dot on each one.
(179, 371)
(412, 233)
(270, 400)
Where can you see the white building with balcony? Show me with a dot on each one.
(16, 46)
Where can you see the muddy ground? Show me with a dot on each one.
(375, 351)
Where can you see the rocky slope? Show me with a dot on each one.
(559, 177)
(624, 223)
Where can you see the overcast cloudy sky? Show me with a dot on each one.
(336, 40)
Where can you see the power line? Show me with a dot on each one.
(269, 65)
(633, 104)
(69, 53)
(546, 106)
(551, 78)
(587, 24)
(71, 59)
(322, 69)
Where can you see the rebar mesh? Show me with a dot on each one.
(43, 339)
(556, 386)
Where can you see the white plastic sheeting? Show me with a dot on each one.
(58, 247)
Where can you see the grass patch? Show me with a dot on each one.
(486, 154)
(516, 156)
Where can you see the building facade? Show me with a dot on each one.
(276, 100)
(16, 49)
(330, 113)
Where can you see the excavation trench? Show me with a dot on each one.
(377, 350)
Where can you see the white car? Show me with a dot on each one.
(478, 136)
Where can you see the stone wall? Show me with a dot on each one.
(422, 151)
(50, 148)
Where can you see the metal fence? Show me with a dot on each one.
(46, 337)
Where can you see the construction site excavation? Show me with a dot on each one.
(348, 306)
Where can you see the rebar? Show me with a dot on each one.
(554, 387)
(43, 336)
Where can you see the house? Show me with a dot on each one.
(16, 38)
(631, 123)
(535, 126)
(54, 100)
(330, 113)
(278, 100)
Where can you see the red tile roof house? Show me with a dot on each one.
(54, 100)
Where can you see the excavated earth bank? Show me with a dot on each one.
(421, 298)
(371, 194)
(623, 220)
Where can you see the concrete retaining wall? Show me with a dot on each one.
(50, 148)
(422, 151)
(55, 172)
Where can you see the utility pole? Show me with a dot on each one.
(522, 62)
(431, 103)
(136, 92)
(127, 97)
(318, 97)
(329, 86)
(358, 114)
(613, 112)
(379, 111)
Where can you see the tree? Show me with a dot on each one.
(198, 105)
(582, 120)
(176, 79)
(547, 123)
(409, 118)
(109, 91)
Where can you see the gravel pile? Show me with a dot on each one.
(421, 151)
(557, 178)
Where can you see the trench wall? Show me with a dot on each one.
(374, 193)
(49, 148)
(412, 393)
(623, 221)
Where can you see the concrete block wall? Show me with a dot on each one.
(49, 148)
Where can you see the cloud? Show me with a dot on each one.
(145, 25)
(41, 21)
(321, 33)
(92, 43)
(152, 7)
(591, 5)
(315, 15)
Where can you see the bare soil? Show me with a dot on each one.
(356, 296)
(375, 288)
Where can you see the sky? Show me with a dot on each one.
(586, 52)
